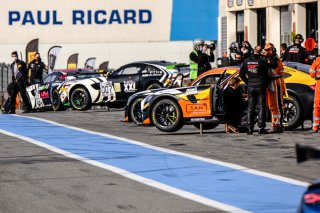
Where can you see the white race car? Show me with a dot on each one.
(115, 89)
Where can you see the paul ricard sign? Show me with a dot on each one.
(77, 21)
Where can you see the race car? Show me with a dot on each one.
(115, 89)
(40, 94)
(298, 104)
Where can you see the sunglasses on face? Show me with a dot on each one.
(267, 49)
(238, 58)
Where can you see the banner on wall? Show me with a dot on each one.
(89, 64)
(73, 61)
(52, 57)
(31, 49)
(104, 66)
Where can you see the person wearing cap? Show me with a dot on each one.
(315, 73)
(200, 59)
(296, 52)
(276, 88)
(19, 80)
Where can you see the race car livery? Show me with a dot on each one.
(40, 94)
(115, 89)
(298, 103)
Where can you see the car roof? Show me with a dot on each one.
(155, 62)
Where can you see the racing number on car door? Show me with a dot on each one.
(107, 90)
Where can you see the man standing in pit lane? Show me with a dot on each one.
(276, 88)
(296, 52)
(315, 73)
(254, 72)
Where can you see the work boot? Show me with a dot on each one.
(262, 131)
(12, 112)
(276, 129)
(250, 132)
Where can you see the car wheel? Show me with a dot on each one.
(80, 99)
(56, 102)
(154, 86)
(166, 116)
(292, 116)
(135, 111)
(206, 126)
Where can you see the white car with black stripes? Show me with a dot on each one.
(115, 89)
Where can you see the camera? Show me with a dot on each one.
(212, 46)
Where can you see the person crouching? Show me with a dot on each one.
(233, 105)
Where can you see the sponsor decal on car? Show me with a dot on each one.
(117, 87)
(129, 86)
(44, 94)
(196, 108)
(153, 73)
(192, 90)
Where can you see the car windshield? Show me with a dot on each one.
(302, 67)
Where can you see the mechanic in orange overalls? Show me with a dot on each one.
(276, 88)
(315, 73)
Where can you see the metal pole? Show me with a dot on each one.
(201, 128)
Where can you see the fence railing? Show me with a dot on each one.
(5, 80)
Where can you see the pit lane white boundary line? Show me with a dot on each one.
(230, 165)
(150, 182)
(124, 173)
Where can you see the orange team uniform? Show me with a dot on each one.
(315, 73)
(275, 92)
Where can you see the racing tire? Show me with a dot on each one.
(292, 116)
(166, 116)
(80, 99)
(154, 86)
(206, 126)
(135, 111)
(56, 102)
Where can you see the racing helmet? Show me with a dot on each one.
(197, 42)
(234, 47)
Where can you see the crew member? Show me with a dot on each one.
(315, 73)
(296, 52)
(276, 88)
(254, 72)
(246, 49)
(199, 59)
(233, 105)
(19, 80)
(36, 68)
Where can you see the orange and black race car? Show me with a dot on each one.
(201, 102)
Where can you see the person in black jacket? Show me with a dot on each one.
(36, 68)
(233, 105)
(296, 52)
(19, 80)
(254, 72)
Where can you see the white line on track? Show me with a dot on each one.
(150, 182)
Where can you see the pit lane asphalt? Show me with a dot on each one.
(33, 179)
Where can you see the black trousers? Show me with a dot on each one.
(256, 99)
(19, 86)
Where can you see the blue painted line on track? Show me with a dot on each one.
(220, 183)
